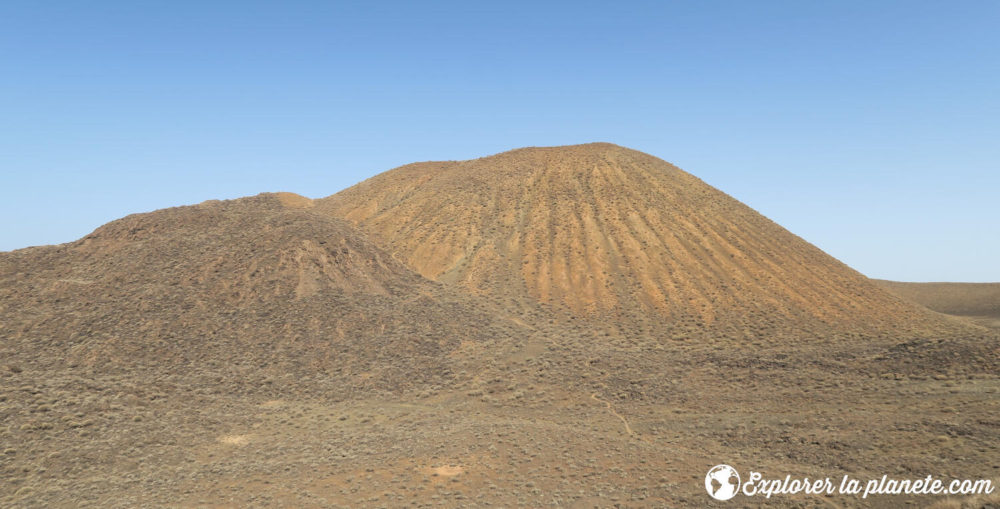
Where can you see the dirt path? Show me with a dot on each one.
(612, 411)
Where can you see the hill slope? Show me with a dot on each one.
(255, 287)
(602, 230)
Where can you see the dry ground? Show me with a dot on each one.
(522, 431)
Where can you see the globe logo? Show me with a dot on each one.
(722, 482)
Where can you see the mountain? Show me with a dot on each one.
(258, 287)
(603, 231)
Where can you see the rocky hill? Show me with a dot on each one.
(607, 232)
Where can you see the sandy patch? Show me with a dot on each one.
(237, 440)
(449, 471)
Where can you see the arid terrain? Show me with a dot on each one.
(979, 302)
(584, 326)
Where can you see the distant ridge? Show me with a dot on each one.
(963, 299)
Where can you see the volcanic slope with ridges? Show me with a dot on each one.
(603, 231)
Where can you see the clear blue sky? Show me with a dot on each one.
(870, 128)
